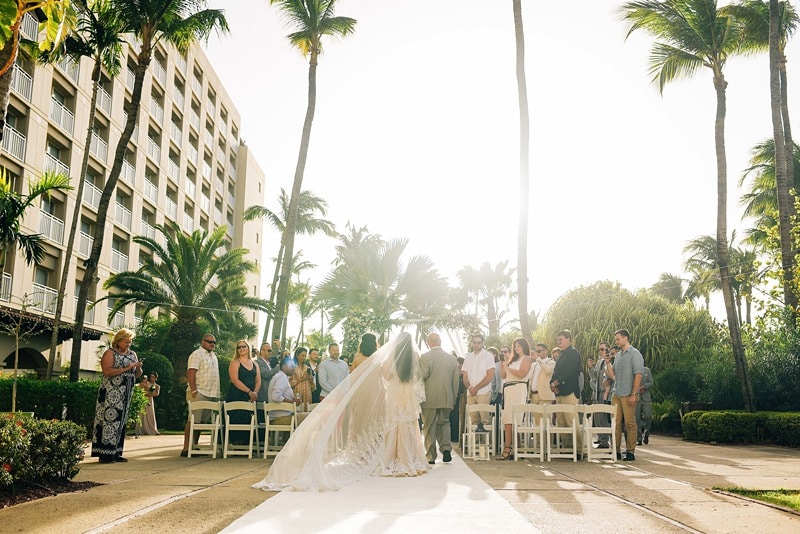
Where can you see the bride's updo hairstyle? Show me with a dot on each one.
(369, 344)
(404, 357)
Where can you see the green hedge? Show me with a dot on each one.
(36, 449)
(779, 428)
(46, 399)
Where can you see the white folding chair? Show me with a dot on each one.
(555, 433)
(528, 436)
(468, 438)
(275, 429)
(198, 426)
(590, 432)
(229, 449)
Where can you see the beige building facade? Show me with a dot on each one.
(186, 163)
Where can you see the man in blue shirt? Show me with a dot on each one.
(627, 375)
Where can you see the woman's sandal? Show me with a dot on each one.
(506, 454)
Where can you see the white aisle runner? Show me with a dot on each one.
(448, 498)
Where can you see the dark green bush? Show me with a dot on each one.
(35, 449)
(779, 428)
(51, 399)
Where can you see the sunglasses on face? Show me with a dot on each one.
(210, 341)
(241, 346)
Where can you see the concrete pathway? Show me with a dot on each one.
(667, 489)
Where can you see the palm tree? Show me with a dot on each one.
(308, 223)
(524, 179)
(186, 279)
(768, 26)
(761, 201)
(179, 22)
(669, 286)
(374, 280)
(489, 284)
(692, 34)
(59, 18)
(97, 36)
(12, 211)
(311, 20)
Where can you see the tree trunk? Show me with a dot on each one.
(287, 240)
(524, 179)
(723, 251)
(782, 159)
(90, 272)
(73, 227)
(272, 289)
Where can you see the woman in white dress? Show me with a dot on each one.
(366, 426)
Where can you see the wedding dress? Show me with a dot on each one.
(366, 426)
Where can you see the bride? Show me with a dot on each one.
(368, 425)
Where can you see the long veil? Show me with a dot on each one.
(341, 440)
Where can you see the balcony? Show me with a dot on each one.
(154, 150)
(85, 242)
(173, 170)
(135, 134)
(128, 172)
(206, 171)
(150, 191)
(181, 64)
(51, 227)
(130, 78)
(122, 215)
(219, 184)
(205, 202)
(160, 73)
(179, 99)
(62, 116)
(89, 316)
(175, 133)
(30, 27)
(171, 208)
(157, 111)
(91, 194)
(220, 155)
(197, 86)
(51, 163)
(230, 229)
(193, 155)
(194, 120)
(14, 142)
(98, 147)
(217, 216)
(211, 108)
(188, 222)
(231, 199)
(148, 231)
(117, 320)
(190, 188)
(43, 298)
(104, 100)
(208, 137)
(5, 287)
(119, 261)
(70, 68)
(22, 82)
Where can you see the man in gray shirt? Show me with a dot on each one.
(267, 372)
(627, 375)
(331, 371)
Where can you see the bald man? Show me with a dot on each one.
(439, 371)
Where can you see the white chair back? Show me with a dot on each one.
(228, 448)
(213, 427)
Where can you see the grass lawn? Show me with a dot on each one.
(782, 497)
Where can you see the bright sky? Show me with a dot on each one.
(416, 135)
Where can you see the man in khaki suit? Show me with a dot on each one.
(439, 371)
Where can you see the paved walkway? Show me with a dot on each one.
(666, 490)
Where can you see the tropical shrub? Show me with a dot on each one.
(35, 449)
(780, 428)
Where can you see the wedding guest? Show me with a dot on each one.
(281, 391)
(644, 408)
(332, 371)
(477, 374)
(202, 377)
(543, 367)
(245, 383)
(565, 382)
(516, 374)
(121, 367)
(627, 375)
(497, 380)
(598, 380)
(143, 384)
(266, 370)
(152, 390)
(302, 380)
(313, 361)
(368, 345)
(457, 426)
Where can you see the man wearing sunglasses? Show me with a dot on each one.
(598, 380)
(202, 383)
